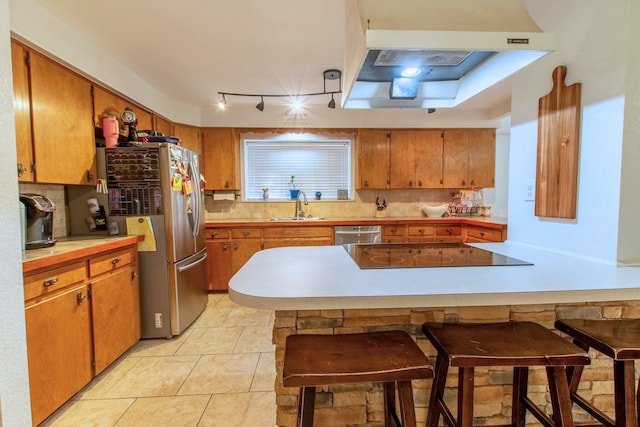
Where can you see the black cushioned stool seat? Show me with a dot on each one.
(512, 344)
(620, 340)
(389, 357)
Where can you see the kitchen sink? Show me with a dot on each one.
(293, 218)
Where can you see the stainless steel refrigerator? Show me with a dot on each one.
(161, 183)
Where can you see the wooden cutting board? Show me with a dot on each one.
(558, 149)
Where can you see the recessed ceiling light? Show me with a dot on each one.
(410, 72)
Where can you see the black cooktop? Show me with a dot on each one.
(426, 255)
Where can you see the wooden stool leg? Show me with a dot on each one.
(520, 384)
(407, 408)
(625, 393)
(390, 417)
(465, 396)
(306, 405)
(559, 391)
(437, 391)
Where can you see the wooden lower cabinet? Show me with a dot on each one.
(218, 265)
(227, 252)
(58, 348)
(115, 303)
(297, 236)
(80, 317)
(476, 234)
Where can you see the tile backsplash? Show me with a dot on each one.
(56, 194)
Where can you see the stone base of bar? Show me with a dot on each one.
(361, 404)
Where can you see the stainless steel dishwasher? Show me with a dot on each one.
(345, 234)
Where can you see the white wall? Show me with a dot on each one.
(14, 381)
(596, 57)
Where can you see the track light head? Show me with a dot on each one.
(260, 105)
(431, 110)
(332, 103)
(222, 104)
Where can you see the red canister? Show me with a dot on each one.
(110, 130)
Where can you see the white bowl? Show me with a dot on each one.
(434, 211)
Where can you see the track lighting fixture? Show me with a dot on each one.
(327, 74)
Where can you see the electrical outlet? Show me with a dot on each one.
(530, 190)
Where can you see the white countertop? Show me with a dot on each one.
(325, 277)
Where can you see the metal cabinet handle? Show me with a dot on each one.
(21, 169)
(235, 246)
(225, 246)
(116, 260)
(50, 282)
(214, 233)
(133, 274)
(80, 297)
(366, 184)
(245, 233)
(421, 231)
(420, 183)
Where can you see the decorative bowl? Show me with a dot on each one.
(435, 211)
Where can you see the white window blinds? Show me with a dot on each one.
(323, 166)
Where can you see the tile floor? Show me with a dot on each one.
(219, 372)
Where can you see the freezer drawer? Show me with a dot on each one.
(188, 291)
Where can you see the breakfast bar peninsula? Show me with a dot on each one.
(332, 290)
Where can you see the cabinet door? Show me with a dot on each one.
(189, 137)
(456, 158)
(241, 251)
(428, 154)
(162, 125)
(115, 305)
(402, 166)
(58, 348)
(219, 158)
(218, 264)
(22, 112)
(482, 157)
(373, 158)
(63, 133)
(106, 102)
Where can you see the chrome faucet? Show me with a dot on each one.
(299, 212)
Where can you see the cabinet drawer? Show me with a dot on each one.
(326, 241)
(297, 232)
(111, 261)
(245, 233)
(49, 281)
(485, 234)
(421, 230)
(448, 230)
(218, 233)
(393, 231)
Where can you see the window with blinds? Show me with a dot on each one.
(318, 166)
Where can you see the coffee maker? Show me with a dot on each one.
(39, 224)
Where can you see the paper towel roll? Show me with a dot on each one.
(224, 196)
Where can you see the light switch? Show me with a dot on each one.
(530, 190)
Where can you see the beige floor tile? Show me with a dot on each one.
(265, 375)
(89, 413)
(159, 347)
(175, 411)
(225, 301)
(222, 373)
(248, 317)
(240, 409)
(153, 377)
(211, 341)
(212, 317)
(255, 339)
(214, 298)
(100, 385)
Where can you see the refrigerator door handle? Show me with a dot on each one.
(198, 197)
(193, 264)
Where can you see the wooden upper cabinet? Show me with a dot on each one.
(373, 159)
(190, 136)
(220, 157)
(106, 102)
(482, 157)
(162, 125)
(469, 158)
(22, 111)
(416, 158)
(63, 134)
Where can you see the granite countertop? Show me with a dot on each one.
(325, 277)
(497, 222)
(73, 247)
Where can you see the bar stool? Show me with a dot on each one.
(620, 340)
(515, 344)
(390, 357)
